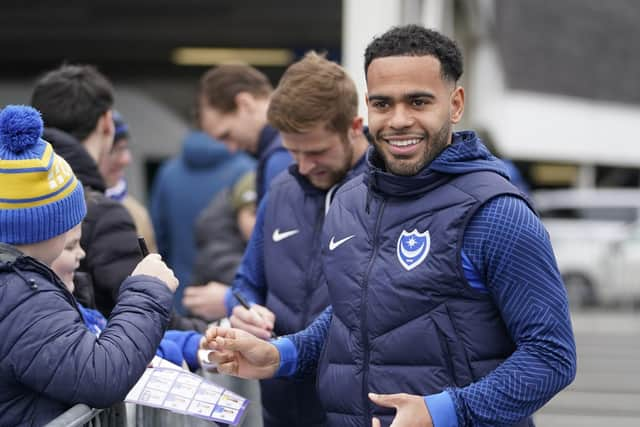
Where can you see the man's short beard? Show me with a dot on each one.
(432, 149)
(337, 176)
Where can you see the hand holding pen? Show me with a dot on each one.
(256, 319)
(152, 265)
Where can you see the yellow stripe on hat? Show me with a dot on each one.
(37, 163)
(59, 196)
(31, 189)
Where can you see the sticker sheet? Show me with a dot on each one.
(165, 385)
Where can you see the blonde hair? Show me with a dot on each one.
(314, 90)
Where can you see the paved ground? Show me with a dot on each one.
(606, 391)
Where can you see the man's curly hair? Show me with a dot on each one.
(414, 40)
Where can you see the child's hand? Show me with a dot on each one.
(152, 265)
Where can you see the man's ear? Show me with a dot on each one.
(457, 104)
(245, 101)
(356, 128)
(105, 124)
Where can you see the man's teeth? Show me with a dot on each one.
(403, 142)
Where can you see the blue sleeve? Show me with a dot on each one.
(288, 357)
(250, 279)
(276, 163)
(93, 319)
(187, 343)
(170, 351)
(301, 358)
(511, 250)
(441, 409)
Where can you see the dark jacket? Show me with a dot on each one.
(183, 187)
(404, 317)
(108, 232)
(296, 290)
(219, 242)
(50, 361)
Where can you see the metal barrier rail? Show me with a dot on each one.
(130, 415)
(83, 416)
(116, 416)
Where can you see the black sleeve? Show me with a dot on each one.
(219, 244)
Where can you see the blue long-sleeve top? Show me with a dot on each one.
(250, 278)
(506, 252)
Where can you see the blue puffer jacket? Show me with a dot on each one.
(183, 187)
(296, 291)
(404, 317)
(50, 361)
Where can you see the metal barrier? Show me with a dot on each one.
(131, 415)
(116, 416)
(83, 416)
(154, 417)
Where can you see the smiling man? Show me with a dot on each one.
(446, 301)
(233, 102)
(314, 108)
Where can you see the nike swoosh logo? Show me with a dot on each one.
(333, 244)
(278, 236)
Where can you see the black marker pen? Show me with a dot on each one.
(143, 246)
(243, 302)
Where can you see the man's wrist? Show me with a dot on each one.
(288, 357)
(442, 409)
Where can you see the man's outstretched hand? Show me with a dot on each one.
(241, 354)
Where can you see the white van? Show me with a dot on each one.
(596, 239)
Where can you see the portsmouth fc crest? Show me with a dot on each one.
(413, 248)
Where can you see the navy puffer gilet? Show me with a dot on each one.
(415, 330)
(296, 291)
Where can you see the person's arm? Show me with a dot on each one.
(241, 354)
(300, 352)
(250, 283)
(512, 253)
(276, 163)
(69, 363)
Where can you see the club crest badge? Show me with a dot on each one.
(413, 248)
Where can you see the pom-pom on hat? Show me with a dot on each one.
(40, 197)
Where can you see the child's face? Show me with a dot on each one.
(47, 251)
(69, 260)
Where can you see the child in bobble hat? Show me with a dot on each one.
(178, 347)
(49, 360)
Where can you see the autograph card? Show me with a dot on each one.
(164, 386)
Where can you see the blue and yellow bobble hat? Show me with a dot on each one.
(40, 197)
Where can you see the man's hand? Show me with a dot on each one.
(258, 321)
(206, 301)
(241, 354)
(411, 411)
(152, 265)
